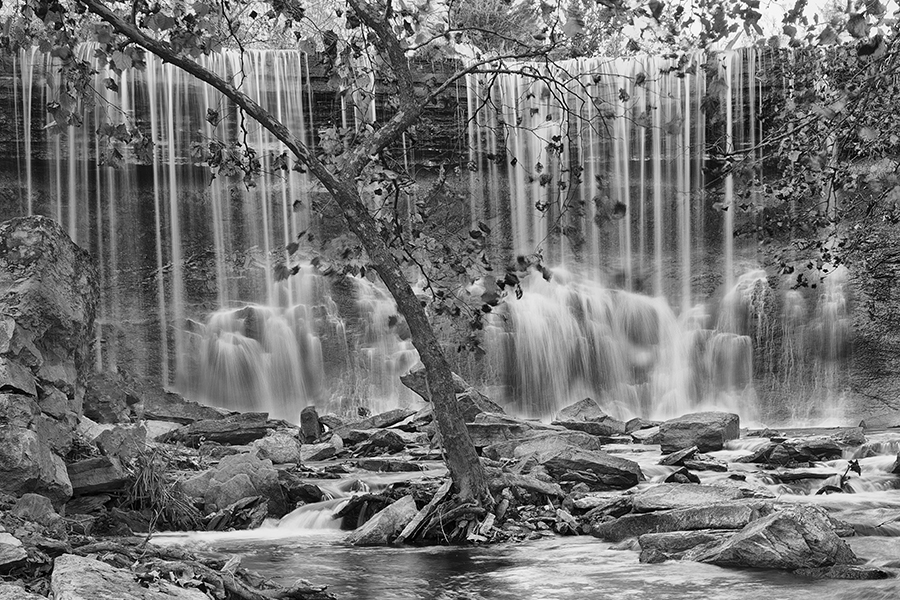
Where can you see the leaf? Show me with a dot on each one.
(857, 26)
(212, 116)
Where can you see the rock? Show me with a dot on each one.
(608, 470)
(845, 572)
(385, 525)
(648, 435)
(386, 440)
(675, 495)
(705, 464)
(637, 423)
(12, 554)
(598, 428)
(727, 515)
(17, 410)
(280, 447)
(387, 466)
(27, 465)
(583, 410)
(298, 491)
(235, 478)
(533, 442)
(379, 421)
(676, 459)
(321, 451)
(310, 428)
(16, 379)
(124, 443)
(93, 475)
(706, 430)
(157, 429)
(81, 578)
(417, 382)
(35, 508)
(235, 430)
(246, 513)
(682, 475)
(796, 450)
(490, 434)
(659, 547)
(794, 537)
(885, 420)
(850, 436)
(472, 403)
(159, 405)
(9, 591)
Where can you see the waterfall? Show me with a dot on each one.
(603, 166)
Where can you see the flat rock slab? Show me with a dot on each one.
(660, 547)
(80, 578)
(794, 537)
(683, 495)
(613, 471)
(388, 466)
(386, 525)
(11, 554)
(234, 430)
(533, 442)
(707, 430)
(94, 475)
(728, 515)
(9, 591)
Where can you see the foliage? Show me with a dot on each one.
(153, 489)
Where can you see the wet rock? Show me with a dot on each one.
(726, 515)
(298, 491)
(886, 420)
(707, 430)
(583, 410)
(323, 450)
(246, 513)
(673, 495)
(9, 591)
(850, 436)
(796, 451)
(682, 475)
(472, 403)
(385, 525)
(159, 405)
(636, 424)
(418, 382)
(705, 463)
(603, 469)
(649, 435)
(385, 440)
(28, 465)
(598, 428)
(853, 572)
(895, 468)
(388, 466)
(235, 478)
(233, 430)
(281, 447)
(676, 459)
(794, 537)
(491, 434)
(81, 578)
(96, 475)
(310, 427)
(539, 442)
(379, 421)
(660, 547)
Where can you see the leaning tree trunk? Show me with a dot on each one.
(465, 467)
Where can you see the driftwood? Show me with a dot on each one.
(409, 532)
(498, 479)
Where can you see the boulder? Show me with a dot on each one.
(583, 410)
(17, 410)
(159, 405)
(82, 578)
(12, 554)
(386, 440)
(418, 382)
(472, 403)
(384, 465)
(676, 459)
(35, 508)
(649, 435)
(235, 430)
(606, 429)
(281, 447)
(533, 442)
(794, 537)
(9, 591)
(491, 434)
(310, 428)
(845, 572)
(677, 495)
(28, 465)
(237, 477)
(385, 525)
(726, 515)
(660, 547)
(706, 430)
(599, 468)
(96, 475)
(637, 423)
(682, 475)
(323, 450)
(123, 442)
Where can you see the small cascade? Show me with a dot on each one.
(316, 516)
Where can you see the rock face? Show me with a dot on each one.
(80, 578)
(796, 537)
(48, 300)
(706, 430)
(385, 525)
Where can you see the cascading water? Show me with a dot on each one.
(648, 310)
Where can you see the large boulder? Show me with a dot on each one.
(97, 475)
(281, 447)
(659, 547)
(680, 495)
(310, 427)
(725, 515)
(385, 525)
(597, 469)
(706, 430)
(418, 382)
(82, 578)
(237, 477)
(541, 442)
(583, 410)
(48, 300)
(795, 537)
(235, 430)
